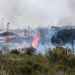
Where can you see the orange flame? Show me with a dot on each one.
(36, 40)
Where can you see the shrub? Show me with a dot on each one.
(14, 51)
(30, 51)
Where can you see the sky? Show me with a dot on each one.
(37, 13)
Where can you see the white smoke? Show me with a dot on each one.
(35, 12)
(69, 18)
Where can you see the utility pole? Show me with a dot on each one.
(8, 27)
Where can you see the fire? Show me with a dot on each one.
(36, 40)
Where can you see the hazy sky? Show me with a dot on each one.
(35, 13)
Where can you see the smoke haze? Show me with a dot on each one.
(35, 13)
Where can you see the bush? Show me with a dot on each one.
(15, 51)
(30, 51)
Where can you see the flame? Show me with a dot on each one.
(36, 40)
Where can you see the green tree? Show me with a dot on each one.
(63, 37)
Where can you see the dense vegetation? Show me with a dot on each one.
(55, 61)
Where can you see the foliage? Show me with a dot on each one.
(29, 51)
(14, 51)
(54, 62)
(63, 37)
